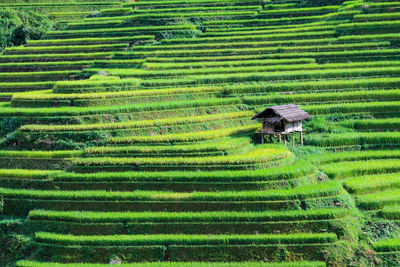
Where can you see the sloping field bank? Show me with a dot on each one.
(126, 136)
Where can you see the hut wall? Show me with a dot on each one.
(291, 127)
(298, 126)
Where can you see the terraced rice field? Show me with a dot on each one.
(126, 135)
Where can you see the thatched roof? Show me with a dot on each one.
(288, 113)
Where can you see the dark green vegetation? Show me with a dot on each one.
(126, 137)
(16, 27)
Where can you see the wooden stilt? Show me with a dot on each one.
(262, 138)
(284, 139)
(301, 138)
(280, 138)
(293, 139)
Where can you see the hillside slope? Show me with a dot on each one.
(127, 136)
(23, 20)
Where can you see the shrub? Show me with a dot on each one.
(17, 27)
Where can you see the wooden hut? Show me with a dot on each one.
(282, 121)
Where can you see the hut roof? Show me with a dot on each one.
(289, 113)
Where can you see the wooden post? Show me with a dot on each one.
(284, 139)
(262, 138)
(280, 138)
(293, 138)
(301, 138)
(293, 134)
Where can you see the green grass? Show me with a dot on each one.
(86, 41)
(260, 50)
(39, 154)
(251, 34)
(368, 37)
(228, 144)
(350, 139)
(273, 76)
(378, 200)
(223, 216)
(373, 183)
(178, 264)
(373, 26)
(274, 21)
(312, 38)
(297, 169)
(327, 189)
(299, 11)
(154, 16)
(356, 168)
(141, 240)
(117, 32)
(146, 74)
(239, 63)
(25, 86)
(387, 245)
(341, 56)
(81, 111)
(96, 86)
(257, 155)
(355, 156)
(376, 17)
(27, 174)
(373, 124)
(174, 3)
(56, 57)
(326, 109)
(35, 66)
(65, 49)
(134, 124)
(391, 212)
(185, 137)
(347, 96)
(303, 86)
(194, 9)
(39, 76)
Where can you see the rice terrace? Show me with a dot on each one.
(199, 133)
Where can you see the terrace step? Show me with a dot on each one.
(42, 76)
(182, 264)
(251, 159)
(324, 195)
(288, 176)
(34, 50)
(118, 223)
(186, 247)
(91, 41)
